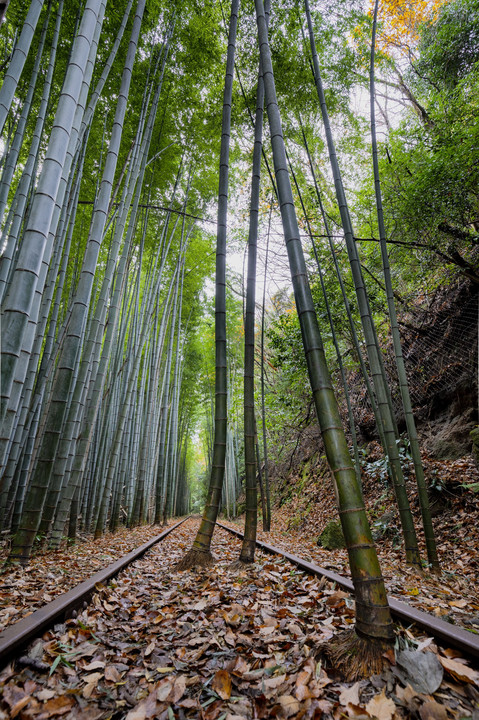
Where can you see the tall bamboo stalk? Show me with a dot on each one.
(373, 620)
(249, 539)
(372, 345)
(17, 304)
(15, 66)
(401, 368)
(200, 552)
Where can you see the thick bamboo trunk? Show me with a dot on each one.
(373, 619)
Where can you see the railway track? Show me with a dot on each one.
(16, 637)
(467, 642)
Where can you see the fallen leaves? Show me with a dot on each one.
(217, 644)
(222, 684)
(381, 707)
(25, 589)
(459, 671)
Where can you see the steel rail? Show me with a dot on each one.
(464, 640)
(15, 637)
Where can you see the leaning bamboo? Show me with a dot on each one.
(373, 619)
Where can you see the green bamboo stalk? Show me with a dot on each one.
(352, 325)
(14, 151)
(334, 338)
(267, 516)
(401, 369)
(375, 361)
(17, 304)
(63, 385)
(15, 67)
(373, 620)
(200, 552)
(249, 538)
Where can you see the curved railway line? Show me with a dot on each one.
(16, 637)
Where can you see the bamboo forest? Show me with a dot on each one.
(239, 431)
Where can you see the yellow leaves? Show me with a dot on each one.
(399, 22)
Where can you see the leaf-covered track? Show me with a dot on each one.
(453, 635)
(218, 642)
(17, 636)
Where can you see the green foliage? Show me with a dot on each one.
(449, 47)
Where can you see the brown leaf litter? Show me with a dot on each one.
(218, 644)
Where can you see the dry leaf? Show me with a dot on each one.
(230, 638)
(45, 694)
(95, 665)
(350, 695)
(274, 682)
(150, 648)
(222, 684)
(406, 696)
(302, 692)
(381, 707)
(179, 688)
(432, 710)
(112, 674)
(459, 671)
(164, 689)
(422, 670)
(458, 603)
(57, 706)
(91, 683)
(289, 705)
(145, 709)
(19, 705)
(267, 630)
(200, 605)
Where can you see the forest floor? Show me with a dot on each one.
(306, 504)
(221, 644)
(24, 589)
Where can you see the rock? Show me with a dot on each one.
(332, 537)
(474, 435)
(449, 438)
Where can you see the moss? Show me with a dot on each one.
(332, 537)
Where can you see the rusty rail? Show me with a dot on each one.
(467, 642)
(17, 636)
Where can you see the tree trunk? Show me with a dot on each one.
(373, 620)
(200, 552)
